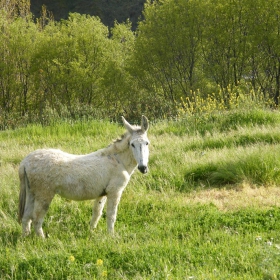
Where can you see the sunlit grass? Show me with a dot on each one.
(208, 208)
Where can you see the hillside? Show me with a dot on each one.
(107, 11)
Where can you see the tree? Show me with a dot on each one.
(226, 43)
(265, 58)
(167, 48)
(71, 62)
(17, 42)
(117, 84)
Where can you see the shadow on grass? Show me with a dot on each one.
(256, 168)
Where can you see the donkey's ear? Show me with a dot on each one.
(144, 124)
(127, 125)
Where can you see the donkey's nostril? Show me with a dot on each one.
(143, 169)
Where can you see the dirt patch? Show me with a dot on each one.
(242, 196)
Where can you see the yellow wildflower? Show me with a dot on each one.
(71, 258)
(99, 262)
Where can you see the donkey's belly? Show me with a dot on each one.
(76, 187)
(80, 192)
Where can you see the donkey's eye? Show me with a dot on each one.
(147, 143)
(132, 145)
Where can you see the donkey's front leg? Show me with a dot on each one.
(112, 208)
(97, 211)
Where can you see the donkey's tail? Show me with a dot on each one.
(24, 183)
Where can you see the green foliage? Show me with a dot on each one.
(183, 52)
(167, 47)
(70, 69)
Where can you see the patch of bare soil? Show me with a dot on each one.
(242, 196)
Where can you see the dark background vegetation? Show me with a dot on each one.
(108, 11)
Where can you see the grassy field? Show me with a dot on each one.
(208, 209)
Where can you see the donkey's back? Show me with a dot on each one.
(76, 177)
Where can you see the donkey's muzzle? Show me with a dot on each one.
(143, 169)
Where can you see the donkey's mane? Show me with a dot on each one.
(120, 144)
(117, 146)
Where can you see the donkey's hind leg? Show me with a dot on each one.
(40, 209)
(97, 210)
(28, 213)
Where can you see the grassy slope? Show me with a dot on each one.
(208, 209)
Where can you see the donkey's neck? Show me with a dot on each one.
(126, 158)
(121, 151)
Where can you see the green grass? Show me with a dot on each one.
(170, 223)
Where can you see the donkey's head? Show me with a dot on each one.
(139, 143)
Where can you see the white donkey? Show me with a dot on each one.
(101, 175)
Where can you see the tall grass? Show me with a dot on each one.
(232, 148)
(167, 226)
